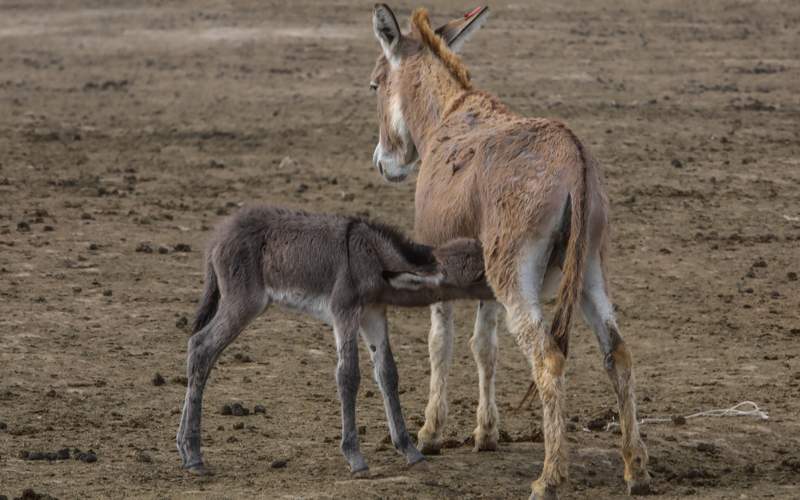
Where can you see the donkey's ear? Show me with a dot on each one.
(458, 31)
(387, 31)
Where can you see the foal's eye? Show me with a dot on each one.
(373, 86)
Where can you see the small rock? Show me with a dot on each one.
(23, 227)
(242, 358)
(144, 247)
(3, 426)
(182, 322)
(237, 410)
(597, 424)
(182, 247)
(259, 409)
(87, 457)
(677, 163)
(143, 457)
(94, 246)
(279, 464)
(163, 249)
(158, 380)
(708, 448)
(238, 426)
(504, 436)
(760, 263)
(302, 188)
(226, 410)
(362, 430)
(216, 164)
(791, 276)
(679, 420)
(287, 162)
(108, 293)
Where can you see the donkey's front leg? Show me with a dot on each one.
(374, 332)
(484, 349)
(348, 378)
(440, 349)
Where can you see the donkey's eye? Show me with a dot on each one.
(373, 86)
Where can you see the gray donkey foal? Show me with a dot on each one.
(342, 270)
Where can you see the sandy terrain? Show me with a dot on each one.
(132, 126)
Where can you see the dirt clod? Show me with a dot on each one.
(158, 380)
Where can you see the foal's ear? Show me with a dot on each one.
(387, 31)
(413, 281)
(458, 31)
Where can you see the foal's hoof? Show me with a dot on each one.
(360, 473)
(198, 470)
(640, 486)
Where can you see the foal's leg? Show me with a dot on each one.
(348, 378)
(484, 349)
(204, 349)
(599, 314)
(440, 349)
(375, 335)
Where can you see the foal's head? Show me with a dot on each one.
(396, 154)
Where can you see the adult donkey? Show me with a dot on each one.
(532, 194)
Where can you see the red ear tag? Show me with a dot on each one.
(472, 12)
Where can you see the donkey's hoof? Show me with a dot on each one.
(539, 492)
(640, 486)
(198, 470)
(485, 440)
(433, 447)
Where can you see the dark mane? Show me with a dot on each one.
(419, 255)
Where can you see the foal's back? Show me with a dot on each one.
(281, 250)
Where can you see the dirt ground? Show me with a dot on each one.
(128, 128)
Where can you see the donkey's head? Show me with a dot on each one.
(396, 154)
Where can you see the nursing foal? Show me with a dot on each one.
(531, 192)
(342, 270)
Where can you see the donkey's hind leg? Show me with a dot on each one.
(599, 314)
(204, 349)
(484, 349)
(348, 378)
(375, 335)
(440, 350)
(521, 296)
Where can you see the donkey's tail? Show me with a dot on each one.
(209, 301)
(572, 280)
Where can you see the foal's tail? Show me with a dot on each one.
(209, 301)
(572, 280)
